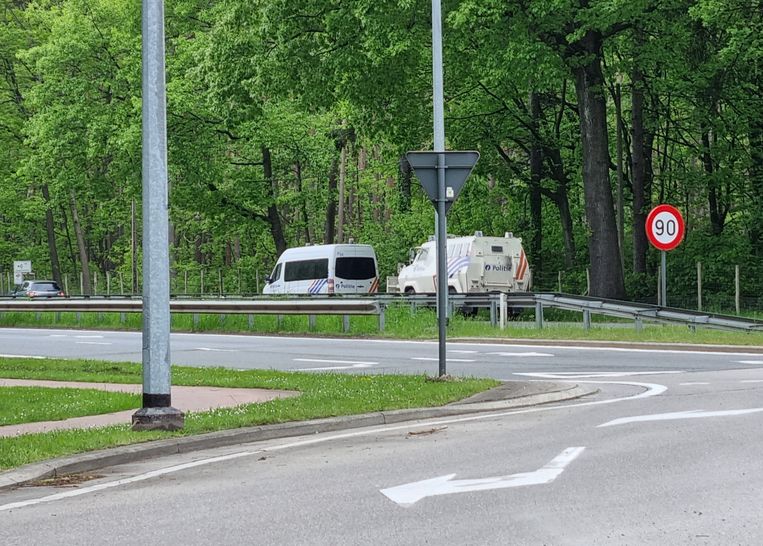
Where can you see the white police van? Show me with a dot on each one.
(325, 269)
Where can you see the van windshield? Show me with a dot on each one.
(355, 269)
(306, 270)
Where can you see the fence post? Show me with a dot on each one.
(108, 283)
(699, 286)
(185, 282)
(81, 284)
(201, 282)
(560, 282)
(220, 279)
(587, 282)
(736, 288)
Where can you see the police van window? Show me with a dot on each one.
(355, 268)
(306, 270)
(498, 249)
(276, 273)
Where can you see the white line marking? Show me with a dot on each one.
(410, 493)
(349, 362)
(431, 359)
(693, 414)
(89, 337)
(694, 383)
(331, 368)
(651, 390)
(92, 343)
(584, 375)
(751, 381)
(462, 352)
(214, 350)
(24, 356)
(521, 354)
(750, 361)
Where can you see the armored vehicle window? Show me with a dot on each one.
(306, 270)
(498, 249)
(355, 268)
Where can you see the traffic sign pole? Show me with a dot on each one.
(664, 279)
(442, 265)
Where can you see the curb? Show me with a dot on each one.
(86, 462)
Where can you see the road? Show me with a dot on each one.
(369, 356)
(654, 458)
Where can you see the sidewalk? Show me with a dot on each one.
(183, 398)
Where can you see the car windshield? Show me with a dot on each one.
(45, 286)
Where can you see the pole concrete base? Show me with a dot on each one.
(165, 418)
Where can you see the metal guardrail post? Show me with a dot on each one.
(250, 321)
(539, 315)
(638, 324)
(122, 318)
(502, 305)
(311, 322)
(492, 313)
(345, 323)
(381, 318)
(196, 320)
(586, 319)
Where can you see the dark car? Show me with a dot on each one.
(39, 289)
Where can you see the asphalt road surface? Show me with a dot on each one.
(496, 360)
(667, 453)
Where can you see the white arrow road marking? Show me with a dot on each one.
(410, 493)
(214, 350)
(693, 414)
(520, 354)
(431, 359)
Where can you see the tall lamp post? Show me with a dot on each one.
(157, 412)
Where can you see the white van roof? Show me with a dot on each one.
(325, 251)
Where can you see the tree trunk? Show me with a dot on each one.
(606, 270)
(341, 197)
(406, 175)
(55, 264)
(717, 217)
(756, 182)
(303, 203)
(560, 197)
(276, 229)
(536, 175)
(82, 246)
(329, 232)
(641, 184)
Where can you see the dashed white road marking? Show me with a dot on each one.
(750, 361)
(694, 383)
(458, 351)
(24, 356)
(92, 343)
(215, 350)
(348, 362)
(431, 359)
(525, 353)
(88, 337)
(751, 381)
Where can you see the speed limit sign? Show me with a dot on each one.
(665, 227)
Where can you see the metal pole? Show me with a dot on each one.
(664, 279)
(736, 289)
(699, 286)
(157, 412)
(439, 146)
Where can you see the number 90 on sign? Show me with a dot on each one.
(665, 227)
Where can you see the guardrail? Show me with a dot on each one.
(501, 307)
(309, 307)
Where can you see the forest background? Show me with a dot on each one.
(288, 123)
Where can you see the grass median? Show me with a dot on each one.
(322, 395)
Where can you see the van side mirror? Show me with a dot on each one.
(268, 280)
(411, 255)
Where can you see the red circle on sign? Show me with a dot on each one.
(665, 227)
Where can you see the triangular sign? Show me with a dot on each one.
(458, 167)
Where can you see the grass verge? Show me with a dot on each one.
(33, 404)
(323, 395)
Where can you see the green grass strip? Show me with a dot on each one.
(33, 404)
(323, 395)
